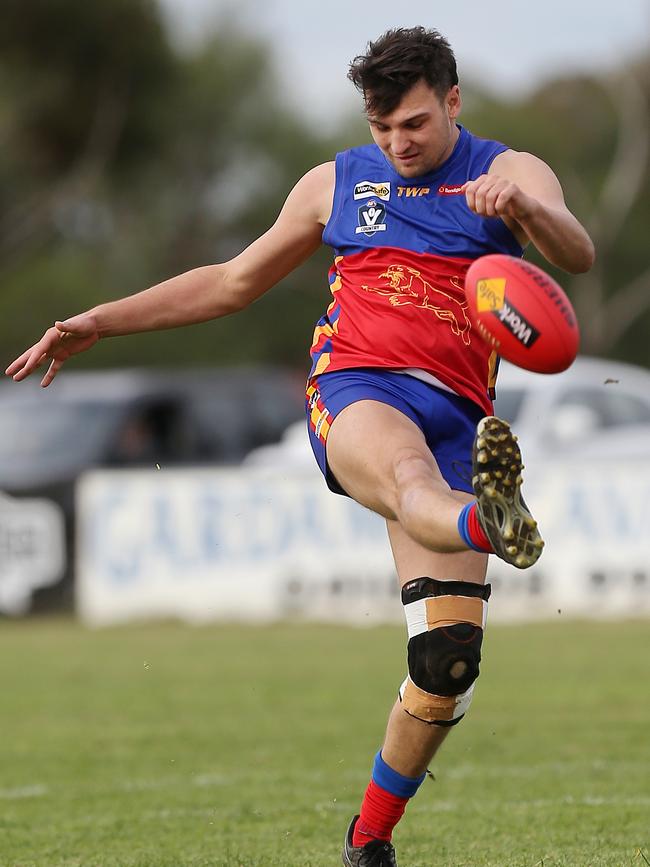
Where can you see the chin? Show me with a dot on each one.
(411, 171)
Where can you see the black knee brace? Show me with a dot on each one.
(445, 621)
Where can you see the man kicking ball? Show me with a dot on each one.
(399, 394)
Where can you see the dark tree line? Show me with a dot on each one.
(123, 162)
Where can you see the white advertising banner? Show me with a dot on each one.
(32, 550)
(257, 545)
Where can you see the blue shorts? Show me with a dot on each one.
(447, 421)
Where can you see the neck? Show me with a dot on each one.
(455, 133)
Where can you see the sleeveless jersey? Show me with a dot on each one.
(402, 248)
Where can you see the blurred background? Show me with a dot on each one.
(167, 477)
(142, 138)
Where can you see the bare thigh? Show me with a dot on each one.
(365, 443)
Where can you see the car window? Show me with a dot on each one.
(66, 434)
(610, 405)
(237, 417)
(217, 418)
(152, 432)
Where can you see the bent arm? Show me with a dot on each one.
(540, 214)
(213, 291)
(202, 294)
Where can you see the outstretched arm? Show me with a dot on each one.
(199, 295)
(522, 190)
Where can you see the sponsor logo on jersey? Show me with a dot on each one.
(450, 190)
(516, 324)
(371, 218)
(413, 192)
(372, 189)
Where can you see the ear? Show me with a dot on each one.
(454, 102)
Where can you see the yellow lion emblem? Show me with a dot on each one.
(407, 286)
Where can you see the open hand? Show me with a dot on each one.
(59, 343)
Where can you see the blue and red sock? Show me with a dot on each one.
(384, 803)
(471, 532)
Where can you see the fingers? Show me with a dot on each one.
(492, 196)
(33, 357)
(481, 195)
(81, 325)
(69, 327)
(16, 365)
(26, 363)
(58, 343)
(53, 369)
(64, 339)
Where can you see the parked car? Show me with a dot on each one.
(595, 410)
(131, 418)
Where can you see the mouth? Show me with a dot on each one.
(406, 158)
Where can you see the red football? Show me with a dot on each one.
(522, 312)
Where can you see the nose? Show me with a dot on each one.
(400, 142)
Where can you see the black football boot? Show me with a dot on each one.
(376, 853)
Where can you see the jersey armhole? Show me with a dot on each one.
(341, 170)
(503, 230)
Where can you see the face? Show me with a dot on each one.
(421, 132)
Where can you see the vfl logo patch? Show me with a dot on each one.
(370, 189)
(525, 333)
(371, 218)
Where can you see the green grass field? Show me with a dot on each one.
(167, 745)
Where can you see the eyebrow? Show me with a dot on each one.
(420, 116)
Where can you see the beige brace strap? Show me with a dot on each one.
(433, 708)
(435, 612)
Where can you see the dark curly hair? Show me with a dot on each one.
(398, 60)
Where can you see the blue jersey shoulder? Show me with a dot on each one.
(374, 205)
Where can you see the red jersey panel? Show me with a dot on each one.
(394, 308)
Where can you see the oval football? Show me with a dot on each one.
(522, 313)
